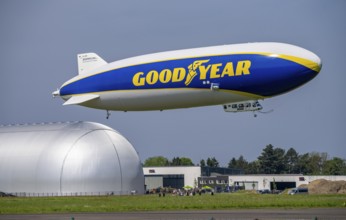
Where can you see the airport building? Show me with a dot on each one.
(180, 176)
(276, 181)
(175, 177)
(224, 179)
(71, 158)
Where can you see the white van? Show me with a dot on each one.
(298, 191)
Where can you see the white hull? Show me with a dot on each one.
(161, 99)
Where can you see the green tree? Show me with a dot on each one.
(291, 158)
(175, 161)
(185, 161)
(232, 163)
(242, 163)
(279, 162)
(253, 168)
(239, 163)
(324, 158)
(182, 161)
(335, 166)
(202, 163)
(158, 161)
(212, 162)
(272, 160)
(316, 163)
(303, 161)
(266, 160)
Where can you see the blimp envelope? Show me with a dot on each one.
(217, 75)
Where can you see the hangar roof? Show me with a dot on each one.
(67, 157)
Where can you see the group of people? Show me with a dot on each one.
(180, 192)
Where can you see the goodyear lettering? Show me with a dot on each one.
(203, 72)
(243, 68)
(165, 76)
(214, 72)
(179, 74)
(228, 70)
(138, 80)
(152, 77)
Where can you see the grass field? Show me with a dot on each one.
(16, 205)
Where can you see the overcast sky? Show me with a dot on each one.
(39, 41)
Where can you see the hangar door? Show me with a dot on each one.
(157, 181)
(153, 182)
(282, 185)
(173, 181)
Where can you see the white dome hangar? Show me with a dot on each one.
(71, 158)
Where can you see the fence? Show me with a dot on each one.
(56, 194)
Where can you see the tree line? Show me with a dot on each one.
(161, 161)
(278, 161)
(271, 161)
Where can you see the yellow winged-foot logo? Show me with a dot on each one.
(192, 70)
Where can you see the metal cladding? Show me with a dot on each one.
(71, 158)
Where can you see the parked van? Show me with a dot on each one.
(298, 191)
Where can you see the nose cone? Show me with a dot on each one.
(312, 61)
(287, 67)
(302, 66)
(314, 58)
(305, 66)
(301, 56)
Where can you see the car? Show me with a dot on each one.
(264, 191)
(296, 191)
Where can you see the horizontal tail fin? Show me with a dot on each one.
(76, 100)
(89, 61)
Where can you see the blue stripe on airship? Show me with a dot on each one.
(267, 76)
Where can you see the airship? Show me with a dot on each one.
(234, 76)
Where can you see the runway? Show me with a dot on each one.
(312, 214)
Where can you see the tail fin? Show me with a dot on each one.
(89, 61)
